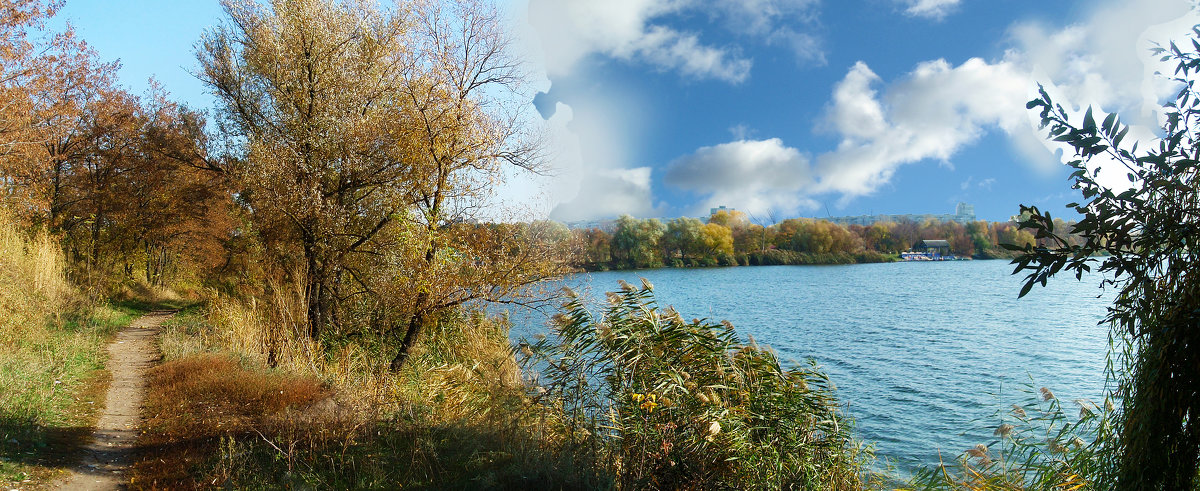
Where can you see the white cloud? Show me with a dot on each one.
(1105, 61)
(670, 49)
(931, 113)
(763, 17)
(624, 29)
(938, 109)
(806, 47)
(751, 175)
(933, 9)
(639, 30)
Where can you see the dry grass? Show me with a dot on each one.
(34, 290)
(197, 401)
(456, 417)
(51, 373)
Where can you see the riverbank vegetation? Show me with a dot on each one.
(731, 238)
(52, 336)
(1144, 238)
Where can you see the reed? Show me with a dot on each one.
(1039, 445)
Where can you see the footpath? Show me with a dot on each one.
(110, 453)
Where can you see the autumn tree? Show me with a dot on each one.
(178, 207)
(595, 248)
(20, 64)
(372, 138)
(682, 238)
(53, 92)
(635, 242)
(716, 241)
(315, 92)
(464, 90)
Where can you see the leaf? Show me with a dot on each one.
(1108, 123)
(1121, 136)
(1025, 289)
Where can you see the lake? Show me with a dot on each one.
(923, 354)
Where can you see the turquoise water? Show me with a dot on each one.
(923, 354)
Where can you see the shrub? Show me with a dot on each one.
(669, 404)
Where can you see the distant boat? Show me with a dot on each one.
(929, 256)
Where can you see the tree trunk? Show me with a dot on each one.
(415, 325)
(315, 292)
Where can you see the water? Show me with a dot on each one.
(923, 354)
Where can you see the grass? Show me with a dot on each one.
(198, 401)
(244, 401)
(51, 373)
(1039, 445)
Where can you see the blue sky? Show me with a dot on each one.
(796, 107)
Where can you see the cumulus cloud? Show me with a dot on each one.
(932, 9)
(930, 114)
(756, 175)
(639, 30)
(938, 108)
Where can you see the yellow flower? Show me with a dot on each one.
(637, 397)
(650, 402)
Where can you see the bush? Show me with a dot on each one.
(669, 404)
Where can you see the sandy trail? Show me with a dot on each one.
(111, 451)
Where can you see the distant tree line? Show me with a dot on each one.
(730, 238)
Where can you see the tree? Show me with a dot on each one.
(635, 242)
(315, 93)
(1148, 238)
(370, 140)
(595, 247)
(463, 89)
(717, 241)
(682, 237)
(20, 65)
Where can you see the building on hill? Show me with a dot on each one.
(964, 213)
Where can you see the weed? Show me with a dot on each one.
(1037, 445)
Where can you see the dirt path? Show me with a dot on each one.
(111, 451)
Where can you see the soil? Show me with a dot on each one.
(112, 450)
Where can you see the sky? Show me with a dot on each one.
(780, 108)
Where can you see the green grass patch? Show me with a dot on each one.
(51, 389)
